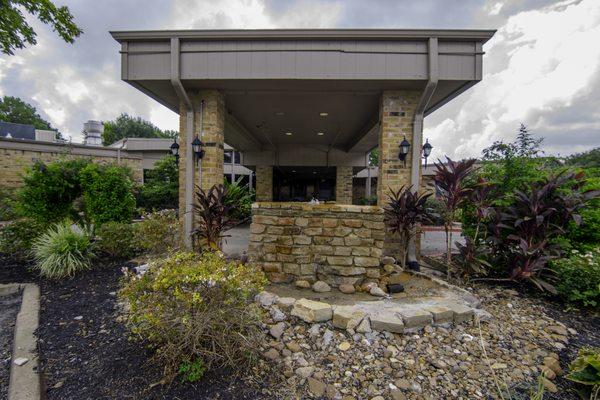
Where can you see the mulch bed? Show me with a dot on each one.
(93, 357)
(9, 308)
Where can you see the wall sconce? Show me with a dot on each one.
(426, 151)
(175, 150)
(197, 148)
(404, 148)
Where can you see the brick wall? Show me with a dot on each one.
(264, 183)
(343, 185)
(330, 242)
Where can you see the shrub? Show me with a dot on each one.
(49, 190)
(197, 312)
(62, 251)
(107, 193)
(7, 204)
(117, 240)
(213, 216)
(239, 198)
(579, 277)
(161, 186)
(17, 236)
(585, 370)
(158, 232)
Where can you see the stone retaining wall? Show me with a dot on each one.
(329, 242)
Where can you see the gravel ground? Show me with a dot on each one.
(9, 308)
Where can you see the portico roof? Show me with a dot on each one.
(301, 87)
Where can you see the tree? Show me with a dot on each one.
(15, 110)
(374, 157)
(125, 126)
(16, 33)
(161, 186)
(588, 159)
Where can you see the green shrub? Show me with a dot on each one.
(585, 370)
(107, 193)
(158, 232)
(17, 236)
(586, 236)
(197, 312)
(239, 198)
(49, 190)
(62, 251)
(161, 186)
(117, 240)
(579, 277)
(7, 204)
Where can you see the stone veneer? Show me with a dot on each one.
(343, 185)
(330, 242)
(264, 183)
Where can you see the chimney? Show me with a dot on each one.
(92, 131)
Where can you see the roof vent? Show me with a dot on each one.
(92, 132)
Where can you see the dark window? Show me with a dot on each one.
(227, 156)
(238, 157)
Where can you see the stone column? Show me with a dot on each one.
(264, 183)
(343, 185)
(183, 135)
(213, 134)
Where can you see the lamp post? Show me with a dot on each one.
(197, 148)
(404, 148)
(175, 150)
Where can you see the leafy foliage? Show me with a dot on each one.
(16, 237)
(472, 258)
(117, 240)
(62, 251)
(197, 311)
(585, 369)
(579, 277)
(403, 213)
(49, 190)
(7, 204)
(239, 199)
(586, 236)
(213, 216)
(588, 159)
(126, 126)
(161, 186)
(107, 193)
(16, 33)
(158, 232)
(15, 110)
(374, 157)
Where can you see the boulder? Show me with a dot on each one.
(377, 292)
(346, 288)
(388, 260)
(321, 287)
(347, 317)
(312, 311)
(302, 284)
(387, 321)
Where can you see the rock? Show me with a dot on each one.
(266, 299)
(388, 260)
(294, 347)
(499, 366)
(344, 346)
(461, 313)
(367, 286)
(277, 314)
(271, 354)
(321, 287)
(549, 386)
(415, 318)
(397, 395)
(277, 330)
(378, 398)
(387, 321)
(548, 373)
(441, 315)
(346, 288)
(559, 330)
(286, 303)
(304, 372)
(389, 268)
(364, 326)
(327, 337)
(347, 317)
(403, 384)
(58, 385)
(377, 291)
(302, 284)
(553, 364)
(316, 387)
(20, 361)
(482, 315)
(312, 311)
(78, 318)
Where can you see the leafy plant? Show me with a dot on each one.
(158, 232)
(62, 251)
(161, 186)
(117, 240)
(17, 236)
(199, 309)
(213, 216)
(7, 204)
(450, 181)
(403, 213)
(579, 277)
(126, 126)
(239, 199)
(585, 369)
(192, 371)
(107, 193)
(472, 258)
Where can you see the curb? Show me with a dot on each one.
(24, 381)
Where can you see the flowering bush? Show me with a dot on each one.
(197, 312)
(579, 277)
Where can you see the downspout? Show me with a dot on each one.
(417, 139)
(188, 222)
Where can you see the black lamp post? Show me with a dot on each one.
(426, 151)
(404, 148)
(175, 150)
(197, 148)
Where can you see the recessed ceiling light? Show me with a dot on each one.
(288, 133)
(293, 170)
(320, 133)
(323, 114)
(280, 113)
(314, 172)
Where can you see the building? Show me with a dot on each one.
(310, 101)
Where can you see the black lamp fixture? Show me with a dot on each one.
(404, 149)
(426, 151)
(175, 150)
(197, 148)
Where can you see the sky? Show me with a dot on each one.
(541, 68)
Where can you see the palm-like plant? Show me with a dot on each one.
(404, 212)
(239, 198)
(213, 216)
(450, 180)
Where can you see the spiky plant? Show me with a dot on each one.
(62, 251)
(450, 180)
(213, 216)
(403, 213)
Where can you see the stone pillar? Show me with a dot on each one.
(183, 135)
(213, 134)
(396, 110)
(264, 183)
(343, 185)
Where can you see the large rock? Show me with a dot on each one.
(316, 387)
(266, 299)
(388, 260)
(321, 287)
(277, 330)
(346, 288)
(387, 321)
(302, 284)
(461, 313)
(415, 318)
(312, 311)
(377, 291)
(347, 317)
(441, 315)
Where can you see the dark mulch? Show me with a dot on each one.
(93, 358)
(9, 308)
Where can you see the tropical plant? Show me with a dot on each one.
(585, 370)
(161, 186)
(158, 232)
(62, 251)
(481, 201)
(579, 277)
(198, 312)
(213, 216)
(239, 199)
(450, 181)
(472, 258)
(405, 210)
(117, 240)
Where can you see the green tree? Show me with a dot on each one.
(587, 159)
(374, 157)
(16, 33)
(126, 126)
(161, 186)
(15, 110)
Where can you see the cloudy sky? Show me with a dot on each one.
(542, 67)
